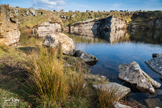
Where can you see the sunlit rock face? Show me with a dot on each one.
(109, 23)
(47, 28)
(9, 32)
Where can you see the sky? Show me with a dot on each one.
(83, 5)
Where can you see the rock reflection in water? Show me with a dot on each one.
(113, 36)
(153, 37)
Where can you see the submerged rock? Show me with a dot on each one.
(119, 90)
(88, 58)
(154, 103)
(155, 64)
(61, 41)
(133, 74)
(156, 55)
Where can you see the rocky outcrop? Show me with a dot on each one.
(47, 28)
(133, 74)
(155, 64)
(61, 41)
(119, 90)
(109, 23)
(88, 58)
(9, 32)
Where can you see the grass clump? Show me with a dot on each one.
(4, 47)
(107, 98)
(53, 85)
(46, 73)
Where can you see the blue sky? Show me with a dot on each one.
(84, 5)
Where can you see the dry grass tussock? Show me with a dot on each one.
(108, 97)
(46, 71)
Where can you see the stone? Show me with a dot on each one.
(67, 65)
(32, 11)
(155, 64)
(65, 43)
(73, 15)
(155, 102)
(26, 13)
(133, 74)
(156, 55)
(119, 105)
(9, 32)
(49, 41)
(121, 91)
(88, 58)
(62, 10)
(48, 28)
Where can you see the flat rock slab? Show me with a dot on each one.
(133, 74)
(153, 103)
(121, 91)
(155, 64)
(119, 105)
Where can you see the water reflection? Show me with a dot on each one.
(114, 48)
(117, 36)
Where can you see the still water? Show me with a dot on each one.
(120, 47)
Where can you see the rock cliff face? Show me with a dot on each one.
(47, 28)
(109, 23)
(9, 32)
(146, 20)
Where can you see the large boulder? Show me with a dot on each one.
(155, 64)
(88, 58)
(120, 91)
(62, 41)
(32, 11)
(133, 74)
(9, 32)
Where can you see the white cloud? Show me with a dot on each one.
(52, 4)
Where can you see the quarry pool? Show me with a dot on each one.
(115, 49)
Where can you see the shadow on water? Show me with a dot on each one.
(116, 47)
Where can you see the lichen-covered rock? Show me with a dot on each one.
(155, 64)
(62, 41)
(49, 41)
(48, 28)
(9, 32)
(133, 74)
(120, 91)
(88, 58)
